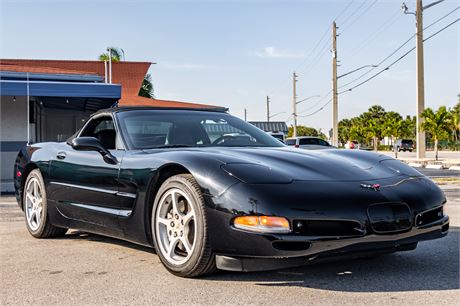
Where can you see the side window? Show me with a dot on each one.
(308, 141)
(290, 142)
(323, 143)
(103, 129)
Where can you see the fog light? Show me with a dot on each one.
(263, 224)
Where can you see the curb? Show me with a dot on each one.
(455, 168)
(437, 167)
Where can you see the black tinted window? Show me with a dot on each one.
(145, 129)
(308, 141)
(103, 129)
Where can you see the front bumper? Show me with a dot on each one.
(320, 249)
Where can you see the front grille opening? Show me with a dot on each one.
(291, 245)
(388, 218)
(429, 216)
(328, 228)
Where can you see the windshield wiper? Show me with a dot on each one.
(172, 146)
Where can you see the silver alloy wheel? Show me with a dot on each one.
(175, 226)
(34, 204)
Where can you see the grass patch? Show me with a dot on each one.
(446, 180)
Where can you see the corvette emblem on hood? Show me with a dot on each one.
(375, 187)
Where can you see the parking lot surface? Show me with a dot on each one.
(87, 269)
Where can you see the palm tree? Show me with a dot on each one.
(438, 124)
(374, 130)
(393, 127)
(455, 111)
(147, 87)
(118, 54)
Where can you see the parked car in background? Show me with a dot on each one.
(403, 145)
(352, 144)
(277, 135)
(309, 143)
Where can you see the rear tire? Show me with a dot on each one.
(179, 228)
(36, 208)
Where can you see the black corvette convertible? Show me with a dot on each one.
(209, 191)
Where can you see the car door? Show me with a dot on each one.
(83, 185)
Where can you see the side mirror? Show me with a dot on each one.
(93, 144)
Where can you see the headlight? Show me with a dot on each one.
(263, 224)
(256, 174)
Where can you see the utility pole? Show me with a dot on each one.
(420, 107)
(268, 109)
(335, 106)
(294, 102)
(245, 115)
(420, 80)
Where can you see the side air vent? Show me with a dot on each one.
(429, 216)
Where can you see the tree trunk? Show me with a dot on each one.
(375, 144)
(393, 145)
(436, 148)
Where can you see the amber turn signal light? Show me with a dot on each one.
(262, 224)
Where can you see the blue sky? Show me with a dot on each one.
(235, 53)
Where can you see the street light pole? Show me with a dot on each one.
(335, 102)
(357, 69)
(268, 109)
(294, 103)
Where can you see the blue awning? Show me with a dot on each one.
(60, 89)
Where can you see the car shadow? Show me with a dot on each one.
(81, 235)
(434, 265)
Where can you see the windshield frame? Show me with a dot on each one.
(258, 132)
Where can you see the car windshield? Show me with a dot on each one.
(147, 129)
(277, 136)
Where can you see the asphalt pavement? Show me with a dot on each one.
(87, 269)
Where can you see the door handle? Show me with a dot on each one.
(61, 155)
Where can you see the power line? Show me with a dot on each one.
(320, 54)
(317, 102)
(400, 58)
(353, 13)
(443, 17)
(383, 70)
(377, 65)
(381, 29)
(359, 16)
(318, 110)
(394, 52)
(344, 10)
(442, 29)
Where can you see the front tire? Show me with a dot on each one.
(179, 228)
(36, 208)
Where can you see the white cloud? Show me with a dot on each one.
(272, 52)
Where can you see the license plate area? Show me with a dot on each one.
(388, 218)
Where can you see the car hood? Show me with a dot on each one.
(265, 165)
(334, 164)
